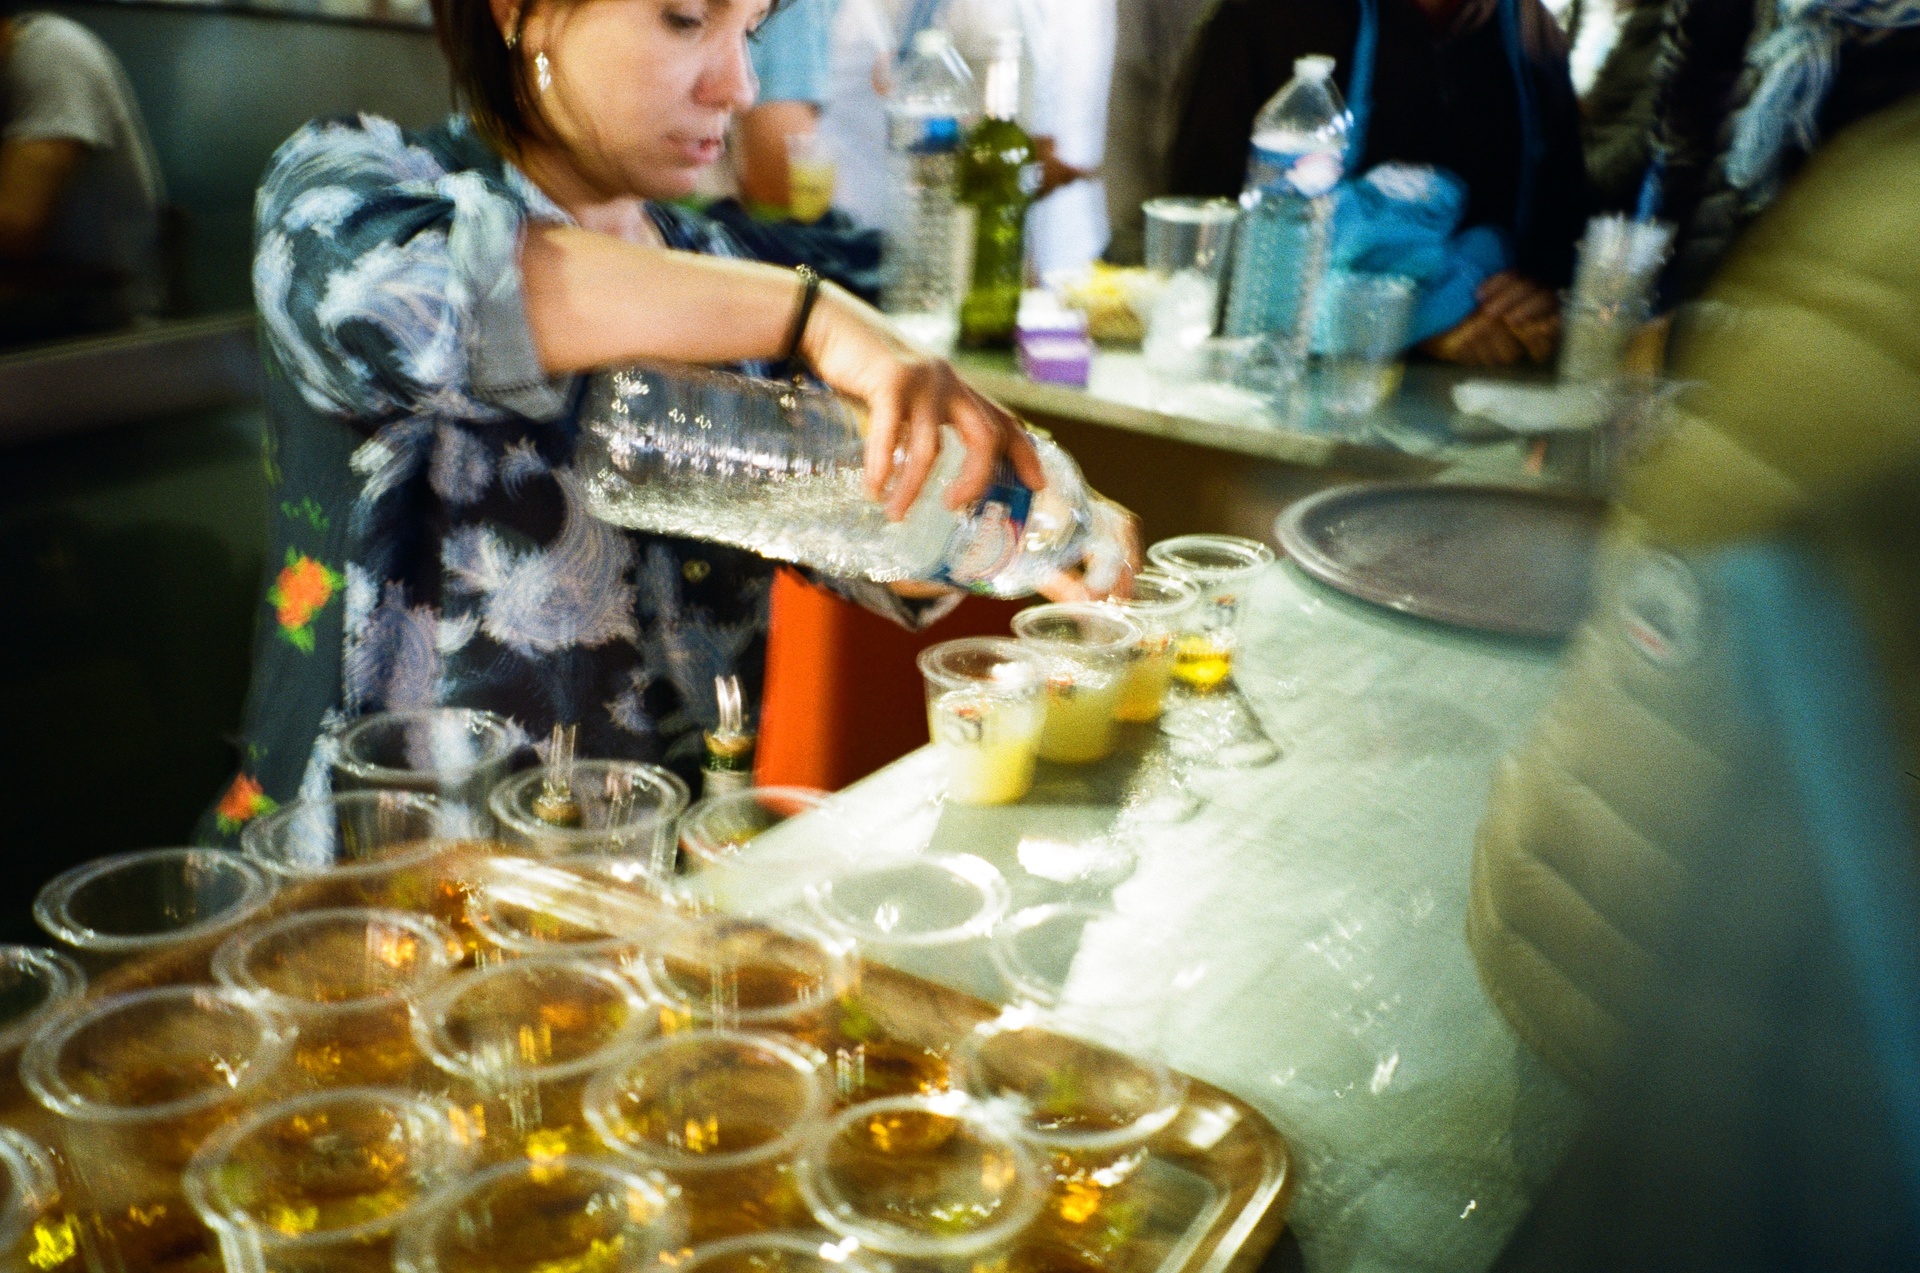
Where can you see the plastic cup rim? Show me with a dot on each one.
(229, 963)
(932, 666)
(31, 1181)
(502, 804)
(254, 837)
(1123, 634)
(40, 1068)
(413, 1247)
(974, 871)
(477, 913)
(200, 1190)
(604, 1089)
(52, 907)
(496, 725)
(65, 980)
(1188, 596)
(1009, 965)
(833, 1212)
(786, 1240)
(1170, 1083)
(811, 800)
(429, 1024)
(1166, 555)
(1199, 210)
(839, 972)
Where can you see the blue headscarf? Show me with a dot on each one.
(1796, 69)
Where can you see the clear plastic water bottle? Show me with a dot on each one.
(777, 469)
(927, 115)
(1298, 157)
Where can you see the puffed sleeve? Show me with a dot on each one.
(388, 285)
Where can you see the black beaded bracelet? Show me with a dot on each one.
(809, 293)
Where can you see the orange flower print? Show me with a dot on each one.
(243, 802)
(301, 591)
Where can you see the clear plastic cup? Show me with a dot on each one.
(1083, 649)
(1079, 1099)
(345, 978)
(1043, 957)
(522, 908)
(715, 829)
(324, 1181)
(1162, 605)
(627, 816)
(774, 1253)
(135, 904)
(922, 1178)
(39, 1229)
(984, 713)
(35, 983)
(1185, 233)
(726, 973)
(1223, 568)
(518, 1042)
(395, 849)
(540, 1216)
(1366, 336)
(456, 753)
(722, 1114)
(141, 1080)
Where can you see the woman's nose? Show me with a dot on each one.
(729, 82)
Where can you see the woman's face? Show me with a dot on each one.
(642, 90)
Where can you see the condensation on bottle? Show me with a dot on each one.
(777, 468)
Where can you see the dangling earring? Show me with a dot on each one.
(542, 72)
(513, 32)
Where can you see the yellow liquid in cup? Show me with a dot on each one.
(990, 744)
(1145, 687)
(1080, 724)
(810, 189)
(1203, 659)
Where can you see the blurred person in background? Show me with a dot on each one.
(80, 190)
(1479, 88)
(1695, 891)
(1151, 36)
(428, 302)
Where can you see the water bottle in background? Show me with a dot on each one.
(1298, 157)
(930, 107)
(776, 468)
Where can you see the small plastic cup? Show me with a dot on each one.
(774, 1253)
(38, 1229)
(519, 1041)
(715, 829)
(1084, 649)
(984, 713)
(35, 983)
(935, 900)
(324, 1181)
(1162, 605)
(521, 908)
(721, 1114)
(1223, 568)
(811, 172)
(1366, 339)
(135, 904)
(394, 849)
(922, 1178)
(456, 753)
(140, 1081)
(1080, 1100)
(345, 977)
(544, 1215)
(1185, 233)
(627, 816)
(726, 973)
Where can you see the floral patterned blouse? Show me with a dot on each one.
(429, 542)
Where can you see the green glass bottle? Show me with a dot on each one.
(999, 175)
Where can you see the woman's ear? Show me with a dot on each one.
(506, 16)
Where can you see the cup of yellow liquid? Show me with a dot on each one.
(810, 177)
(1084, 651)
(1223, 568)
(984, 712)
(1163, 606)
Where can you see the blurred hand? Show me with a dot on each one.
(909, 397)
(1112, 559)
(1056, 172)
(1516, 318)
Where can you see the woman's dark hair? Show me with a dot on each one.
(489, 78)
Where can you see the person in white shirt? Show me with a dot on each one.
(80, 190)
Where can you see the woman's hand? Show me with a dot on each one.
(1516, 318)
(1112, 558)
(909, 397)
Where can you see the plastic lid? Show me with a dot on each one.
(932, 42)
(1315, 66)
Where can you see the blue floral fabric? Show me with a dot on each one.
(430, 545)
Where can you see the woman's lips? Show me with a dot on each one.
(699, 150)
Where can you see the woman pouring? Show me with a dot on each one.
(428, 304)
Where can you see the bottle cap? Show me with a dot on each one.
(931, 42)
(1315, 66)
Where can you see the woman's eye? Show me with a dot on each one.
(678, 21)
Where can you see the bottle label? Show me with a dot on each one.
(986, 541)
(1310, 173)
(938, 135)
